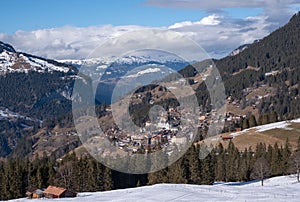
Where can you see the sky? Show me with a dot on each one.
(65, 29)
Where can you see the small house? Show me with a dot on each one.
(34, 193)
(225, 138)
(58, 192)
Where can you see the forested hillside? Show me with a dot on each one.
(273, 61)
(86, 174)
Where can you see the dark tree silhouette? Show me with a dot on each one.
(295, 164)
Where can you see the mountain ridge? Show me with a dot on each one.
(13, 61)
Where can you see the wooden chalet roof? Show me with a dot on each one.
(57, 191)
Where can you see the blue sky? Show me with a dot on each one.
(34, 14)
(71, 29)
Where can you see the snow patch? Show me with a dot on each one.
(26, 63)
(272, 73)
(146, 71)
(278, 125)
(281, 125)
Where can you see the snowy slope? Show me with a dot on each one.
(282, 125)
(12, 61)
(7, 114)
(276, 189)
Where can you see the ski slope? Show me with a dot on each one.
(283, 188)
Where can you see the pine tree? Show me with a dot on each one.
(252, 121)
(107, 178)
(51, 173)
(220, 168)
(208, 174)
(232, 157)
(244, 167)
(1, 181)
(286, 155)
(245, 123)
(273, 117)
(260, 150)
(194, 166)
(298, 145)
(269, 153)
(158, 177)
(263, 119)
(158, 160)
(276, 161)
(176, 173)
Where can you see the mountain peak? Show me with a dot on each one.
(7, 47)
(295, 17)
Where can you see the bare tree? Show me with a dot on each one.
(295, 164)
(261, 170)
(66, 172)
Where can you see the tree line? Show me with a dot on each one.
(85, 174)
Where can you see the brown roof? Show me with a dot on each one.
(57, 191)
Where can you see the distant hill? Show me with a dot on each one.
(273, 61)
(32, 91)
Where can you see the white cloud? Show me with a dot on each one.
(276, 11)
(218, 35)
(209, 20)
(218, 40)
(64, 42)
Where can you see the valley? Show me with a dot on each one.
(158, 119)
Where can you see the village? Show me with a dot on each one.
(168, 130)
(178, 126)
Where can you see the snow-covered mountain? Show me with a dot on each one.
(13, 61)
(116, 67)
(140, 64)
(283, 188)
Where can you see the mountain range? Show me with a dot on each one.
(36, 92)
(106, 72)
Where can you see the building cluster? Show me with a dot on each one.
(50, 192)
(162, 132)
(176, 127)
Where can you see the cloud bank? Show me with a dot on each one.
(277, 11)
(66, 42)
(217, 33)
